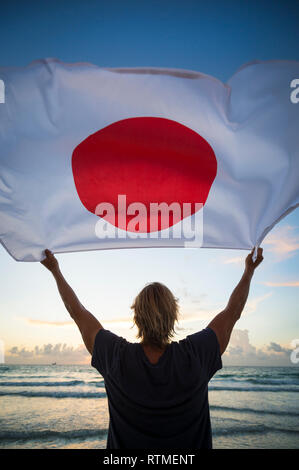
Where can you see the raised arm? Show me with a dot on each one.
(86, 322)
(224, 322)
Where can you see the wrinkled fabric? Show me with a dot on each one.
(50, 107)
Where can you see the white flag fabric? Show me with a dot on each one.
(74, 137)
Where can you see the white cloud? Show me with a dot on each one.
(277, 348)
(48, 353)
(282, 284)
(191, 314)
(241, 352)
(283, 241)
(253, 303)
(32, 321)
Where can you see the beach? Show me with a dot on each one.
(65, 406)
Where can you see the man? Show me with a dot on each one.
(157, 389)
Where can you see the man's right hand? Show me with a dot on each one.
(250, 264)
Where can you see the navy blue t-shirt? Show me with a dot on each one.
(162, 405)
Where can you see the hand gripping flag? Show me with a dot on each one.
(96, 158)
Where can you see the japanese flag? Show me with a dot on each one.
(96, 158)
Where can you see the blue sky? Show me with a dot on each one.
(215, 38)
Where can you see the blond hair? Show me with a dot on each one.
(155, 313)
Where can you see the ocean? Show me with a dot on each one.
(58, 406)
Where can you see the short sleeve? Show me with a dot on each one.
(206, 346)
(106, 351)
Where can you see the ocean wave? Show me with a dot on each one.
(33, 376)
(102, 433)
(70, 383)
(250, 429)
(50, 394)
(26, 377)
(42, 384)
(261, 380)
(239, 429)
(220, 376)
(48, 434)
(252, 410)
(90, 394)
(253, 389)
(278, 381)
(273, 375)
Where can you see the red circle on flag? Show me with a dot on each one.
(147, 159)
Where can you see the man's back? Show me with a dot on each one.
(161, 405)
